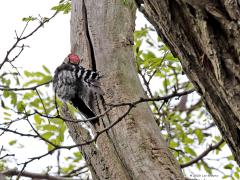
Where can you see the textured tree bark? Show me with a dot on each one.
(102, 34)
(205, 35)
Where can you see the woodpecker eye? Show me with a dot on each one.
(74, 59)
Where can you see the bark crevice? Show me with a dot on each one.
(91, 49)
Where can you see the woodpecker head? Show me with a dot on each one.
(72, 58)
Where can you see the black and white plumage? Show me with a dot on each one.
(75, 84)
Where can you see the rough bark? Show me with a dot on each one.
(205, 35)
(80, 135)
(102, 34)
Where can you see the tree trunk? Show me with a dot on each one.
(205, 35)
(102, 34)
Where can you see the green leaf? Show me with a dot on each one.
(217, 138)
(71, 108)
(173, 144)
(68, 169)
(62, 128)
(8, 119)
(230, 158)
(163, 48)
(35, 103)
(38, 119)
(170, 57)
(50, 127)
(60, 138)
(6, 114)
(33, 81)
(50, 147)
(199, 165)
(28, 74)
(199, 135)
(207, 169)
(166, 83)
(142, 33)
(14, 98)
(57, 141)
(190, 151)
(29, 18)
(12, 142)
(64, 7)
(188, 140)
(29, 95)
(56, 120)
(47, 135)
(77, 154)
(37, 74)
(6, 94)
(20, 106)
(179, 128)
(149, 55)
(46, 69)
(228, 166)
(236, 174)
(45, 79)
(225, 176)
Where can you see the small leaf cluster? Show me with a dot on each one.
(63, 6)
(29, 18)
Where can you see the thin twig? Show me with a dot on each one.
(21, 37)
(75, 171)
(203, 154)
(6, 155)
(14, 172)
(18, 133)
(25, 89)
(130, 105)
(44, 108)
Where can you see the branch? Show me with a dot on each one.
(18, 133)
(56, 147)
(21, 37)
(204, 153)
(24, 89)
(70, 120)
(76, 171)
(6, 155)
(45, 110)
(159, 98)
(14, 172)
(146, 83)
(130, 105)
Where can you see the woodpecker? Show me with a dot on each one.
(75, 84)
